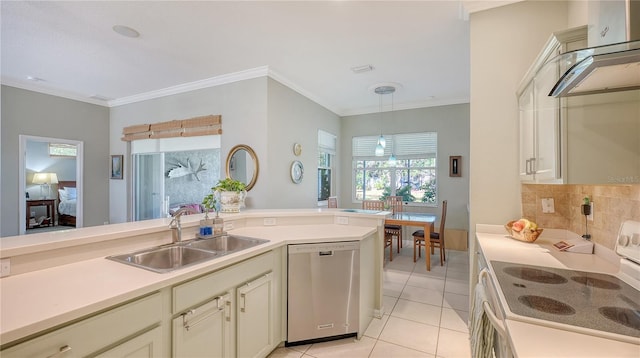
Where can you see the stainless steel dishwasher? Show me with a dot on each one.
(323, 291)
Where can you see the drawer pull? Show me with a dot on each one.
(62, 350)
(188, 325)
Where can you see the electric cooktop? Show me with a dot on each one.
(595, 301)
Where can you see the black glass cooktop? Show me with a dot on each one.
(584, 299)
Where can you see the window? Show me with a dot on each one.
(62, 150)
(326, 152)
(412, 175)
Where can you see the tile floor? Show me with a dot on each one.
(426, 313)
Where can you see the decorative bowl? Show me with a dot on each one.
(526, 235)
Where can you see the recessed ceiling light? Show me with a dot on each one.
(35, 79)
(361, 69)
(126, 31)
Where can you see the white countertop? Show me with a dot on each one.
(532, 340)
(34, 301)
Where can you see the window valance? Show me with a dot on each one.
(197, 126)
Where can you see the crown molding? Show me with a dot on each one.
(192, 86)
(41, 88)
(293, 86)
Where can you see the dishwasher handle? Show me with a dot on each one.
(325, 253)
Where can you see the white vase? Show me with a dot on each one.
(231, 201)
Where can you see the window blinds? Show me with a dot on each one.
(403, 146)
(326, 142)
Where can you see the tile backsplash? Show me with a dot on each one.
(612, 204)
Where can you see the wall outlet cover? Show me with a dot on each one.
(5, 267)
(548, 206)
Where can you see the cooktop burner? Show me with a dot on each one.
(546, 304)
(624, 316)
(590, 300)
(535, 275)
(595, 282)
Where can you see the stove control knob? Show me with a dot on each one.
(635, 239)
(623, 240)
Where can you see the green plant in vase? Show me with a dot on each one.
(230, 193)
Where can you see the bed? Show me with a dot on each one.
(67, 203)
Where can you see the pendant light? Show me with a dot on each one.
(382, 143)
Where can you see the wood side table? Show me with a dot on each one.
(51, 209)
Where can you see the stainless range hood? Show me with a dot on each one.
(600, 69)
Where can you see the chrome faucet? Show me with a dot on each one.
(175, 226)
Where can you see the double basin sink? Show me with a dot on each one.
(171, 257)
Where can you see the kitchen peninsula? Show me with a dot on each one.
(61, 285)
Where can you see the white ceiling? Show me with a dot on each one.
(71, 49)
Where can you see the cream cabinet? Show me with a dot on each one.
(128, 330)
(243, 321)
(542, 155)
(255, 317)
(204, 331)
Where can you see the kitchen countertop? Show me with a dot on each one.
(533, 340)
(39, 300)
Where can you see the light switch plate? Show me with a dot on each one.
(548, 206)
(269, 221)
(342, 220)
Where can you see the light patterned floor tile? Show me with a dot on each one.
(376, 326)
(301, 348)
(392, 289)
(453, 344)
(455, 301)
(430, 283)
(454, 320)
(386, 350)
(458, 275)
(283, 352)
(388, 303)
(423, 295)
(436, 270)
(416, 311)
(405, 333)
(349, 347)
(395, 276)
(457, 286)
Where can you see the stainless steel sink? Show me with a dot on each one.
(226, 244)
(182, 254)
(165, 259)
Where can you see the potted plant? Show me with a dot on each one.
(231, 194)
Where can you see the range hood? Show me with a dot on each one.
(597, 70)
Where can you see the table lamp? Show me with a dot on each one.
(45, 179)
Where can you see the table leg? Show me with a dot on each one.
(427, 245)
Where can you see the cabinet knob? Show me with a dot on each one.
(62, 350)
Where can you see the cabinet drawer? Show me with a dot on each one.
(201, 289)
(93, 334)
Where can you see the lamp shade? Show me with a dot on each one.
(45, 178)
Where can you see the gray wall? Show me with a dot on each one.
(30, 113)
(261, 113)
(452, 124)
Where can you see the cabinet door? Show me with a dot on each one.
(547, 126)
(146, 345)
(255, 317)
(527, 133)
(204, 331)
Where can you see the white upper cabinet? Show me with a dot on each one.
(541, 117)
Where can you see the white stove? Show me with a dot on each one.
(586, 302)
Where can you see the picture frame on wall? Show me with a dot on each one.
(455, 166)
(117, 166)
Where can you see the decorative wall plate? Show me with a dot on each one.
(297, 149)
(297, 171)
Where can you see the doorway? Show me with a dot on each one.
(48, 191)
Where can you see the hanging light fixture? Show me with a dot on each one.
(382, 143)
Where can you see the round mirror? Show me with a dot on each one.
(242, 165)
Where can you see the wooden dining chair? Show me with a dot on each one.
(379, 206)
(395, 204)
(435, 238)
(332, 202)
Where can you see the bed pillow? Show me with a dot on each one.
(71, 192)
(64, 196)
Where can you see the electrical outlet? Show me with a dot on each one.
(5, 267)
(269, 221)
(342, 220)
(548, 206)
(228, 225)
(590, 216)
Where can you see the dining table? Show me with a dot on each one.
(424, 220)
